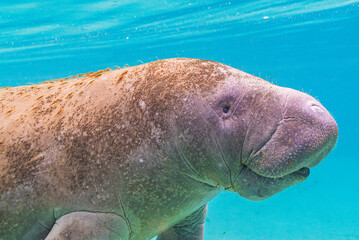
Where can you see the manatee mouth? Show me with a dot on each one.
(301, 173)
(254, 186)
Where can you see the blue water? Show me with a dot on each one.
(311, 46)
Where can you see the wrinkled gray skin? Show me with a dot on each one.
(133, 153)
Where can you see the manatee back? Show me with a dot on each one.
(70, 145)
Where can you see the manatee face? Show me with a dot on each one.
(269, 136)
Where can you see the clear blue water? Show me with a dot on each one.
(311, 46)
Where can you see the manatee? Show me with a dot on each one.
(137, 152)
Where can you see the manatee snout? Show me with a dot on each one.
(303, 138)
(302, 135)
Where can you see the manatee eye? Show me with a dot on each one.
(226, 108)
(223, 106)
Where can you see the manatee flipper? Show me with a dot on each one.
(190, 228)
(89, 226)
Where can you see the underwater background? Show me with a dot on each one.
(312, 46)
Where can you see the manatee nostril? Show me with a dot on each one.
(316, 108)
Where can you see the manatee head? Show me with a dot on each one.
(269, 136)
(260, 138)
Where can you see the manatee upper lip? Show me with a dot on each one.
(302, 169)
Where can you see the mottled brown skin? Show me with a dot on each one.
(149, 145)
